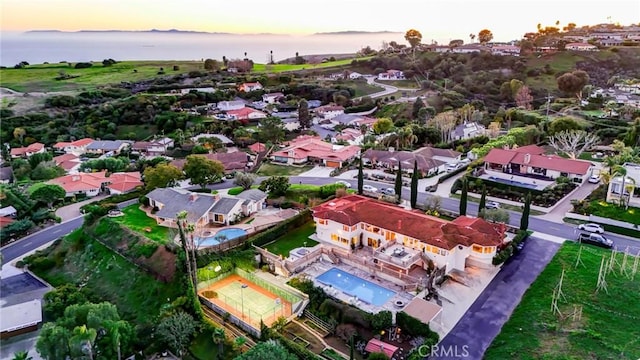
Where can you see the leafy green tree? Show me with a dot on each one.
(162, 175)
(524, 220)
(176, 331)
(483, 198)
(275, 185)
(271, 130)
(398, 184)
(463, 197)
(218, 337)
(360, 177)
(496, 215)
(57, 300)
(46, 170)
(304, 118)
(48, 194)
(203, 171)
(36, 159)
(53, 342)
(414, 185)
(562, 124)
(413, 37)
(382, 126)
(573, 82)
(211, 64)
(246, 180)
(381, 320)
(417, 106)
(267, 350)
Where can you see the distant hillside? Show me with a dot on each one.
(355, 32)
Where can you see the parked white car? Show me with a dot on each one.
(451, 167)
(594, 228)
(369, 188)
(594, 179)
(492, 205)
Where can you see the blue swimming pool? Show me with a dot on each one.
(219, 237)
(513, 182)
(354, 286)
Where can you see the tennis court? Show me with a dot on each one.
(247, 301)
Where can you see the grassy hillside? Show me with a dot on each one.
(604, 328)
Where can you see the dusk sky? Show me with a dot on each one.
(435, 19)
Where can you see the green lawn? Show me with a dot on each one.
(138, 221)
(607, 328)
(203, 347)
(141, 132)
(401, 84)
(275, 68)
(267, 169)
(297, 238)
(612, 211)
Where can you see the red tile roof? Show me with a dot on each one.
(354, 209)
(4, 221)
(231, 161)
(257, 147)
(35, 147)
(81, 142)
(306, 146)
(67, 161)
(550, 162)
(124, 182)
(243, 113)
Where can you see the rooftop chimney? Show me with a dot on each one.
(193, 197)
(527, 158)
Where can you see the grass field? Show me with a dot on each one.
(296, 238)
(267, 169)
(605, 329)
(138, 221)
(248, 301)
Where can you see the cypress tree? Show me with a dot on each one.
(360, 178)
(414, 185)
(351, 348)
(463, 198)
(524, 220)
(398, 187)
(483, 199)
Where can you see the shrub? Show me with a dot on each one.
(415, 327)
(235, 190)
(83, 65)
(382, 320)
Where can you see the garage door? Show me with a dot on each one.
(333, 164)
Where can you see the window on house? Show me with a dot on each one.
(335, 237)
(434, 249)
(322, 222)
(354, 228)
(346, 228)
(477, 248)
(489, 249)
(443, 252)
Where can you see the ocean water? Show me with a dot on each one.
(53, 47)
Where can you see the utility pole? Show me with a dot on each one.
(548, 104)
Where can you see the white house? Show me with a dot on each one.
(254, 201)
(328, 112)
(391, 75)
(250, 86)
(77, 147)
(272, 98)
(468, 131)
(230, 105)
(581, 47)
(401, 240)
(246, 114)
(631, 185)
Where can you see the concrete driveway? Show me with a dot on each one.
(318, 171)
(482, 322)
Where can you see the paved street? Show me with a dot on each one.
(483, 321)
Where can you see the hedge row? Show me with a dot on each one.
(508, 250)
(284, 227)
(415, 327)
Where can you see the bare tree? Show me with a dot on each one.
(573, 142)
(524, 98)
(445, 122)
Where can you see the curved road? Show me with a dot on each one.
(34, 241)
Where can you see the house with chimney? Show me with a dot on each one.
(312, 149)
(156, 147)
(430, 160)
(402, 240)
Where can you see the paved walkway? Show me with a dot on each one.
(557, 212)
(73, 211)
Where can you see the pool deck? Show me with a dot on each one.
(318, 268)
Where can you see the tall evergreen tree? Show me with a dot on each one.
(483, 199)
(524, 220)
(303, 114)
(398, 187)
(351, 347)
(463, 197)
(414, 185)
(360, 177)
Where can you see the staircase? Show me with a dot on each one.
(334, 259)
(325, 327)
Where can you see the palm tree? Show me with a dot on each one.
(218, 338)
(621, 171)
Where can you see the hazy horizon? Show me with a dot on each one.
(439, 20)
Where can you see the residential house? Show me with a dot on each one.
(509, 50)
(246, 114)
(581, 47)
(631, 185)
(92, 184)
(231, 105)
(107, 146)
(610, 42)
(291, 123)
(401, 240)
(27, 151)
(70, 162)
(6, 175)
(257, 147)
(254, 201)
(391, 75)
(223, 139)
(232, 161)
(531, 161)
(349, 135)
(209, 90)
(156, 147)
(311, 149)
(328, 112)
(468, 49)
(351, 119)
(202, 209)
(468, 131)
(250, 86)
(272, 98)
(77, 147)
(430, 160)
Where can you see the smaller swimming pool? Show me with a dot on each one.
(354, 286)
(513, 182)
(220, 237)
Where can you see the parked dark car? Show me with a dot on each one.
(595, 239)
